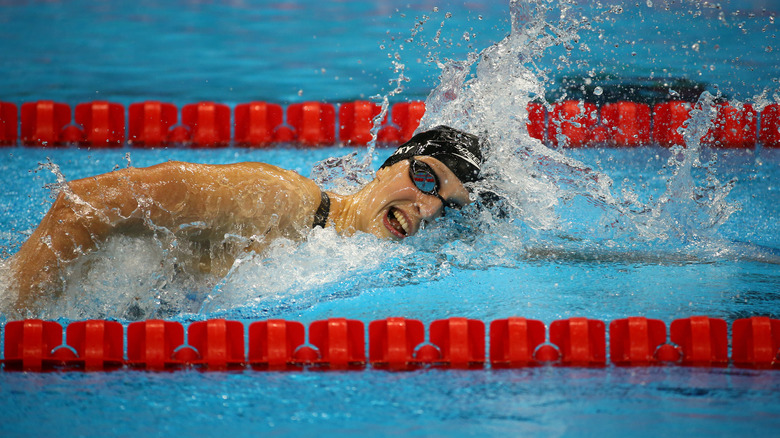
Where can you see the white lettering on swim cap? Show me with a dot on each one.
(467, 156)
(404, 149)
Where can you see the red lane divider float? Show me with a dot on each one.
(514, 342)
(9, 124)
(703, 341)
(406, 117)
(43, 123)
(312, 124)
(733, 127)
(97, 344)
(208, 124)
(626, 123)
(635, 342)
(668, 118)
(581, 341)
(152, 344)
(769, 134)
(256, 124)
(273, 344)
(572, 123)
(460, 342)
(103, 124)
(29, 344)
(755, 342)
(536, 121)
(356, 121)
(393, 343)
(149, 123)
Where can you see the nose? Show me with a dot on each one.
(430, 206)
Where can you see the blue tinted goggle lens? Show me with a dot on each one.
(423, 178)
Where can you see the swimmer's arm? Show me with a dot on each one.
(60, 237)
(167, 195)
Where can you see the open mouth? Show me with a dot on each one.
(397, 222)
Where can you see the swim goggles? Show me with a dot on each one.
(425, 179)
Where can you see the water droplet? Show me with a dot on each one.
(597, 91)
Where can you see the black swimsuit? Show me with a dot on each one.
(321, 216)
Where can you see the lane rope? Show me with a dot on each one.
(393, 343)
(103, 124)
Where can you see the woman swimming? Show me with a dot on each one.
(228, 210)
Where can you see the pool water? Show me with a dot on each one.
(654, 251)
(539, 402)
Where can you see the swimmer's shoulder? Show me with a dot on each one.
(254, 169)
(248, 172)
(246, 168)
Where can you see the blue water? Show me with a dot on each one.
(186, 51)
(189, 51)
(536, 402)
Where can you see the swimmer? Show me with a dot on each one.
(228, 210)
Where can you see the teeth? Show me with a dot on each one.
(402, 221)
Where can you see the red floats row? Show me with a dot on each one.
(394, 343)
(576, 124)
(259, 124)
(204, 124)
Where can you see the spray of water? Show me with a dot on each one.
(546, 189)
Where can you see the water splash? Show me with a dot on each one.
(547, 189)
(325, 265)
(687, 211)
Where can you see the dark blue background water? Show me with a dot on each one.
(186, 51)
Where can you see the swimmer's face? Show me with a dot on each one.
(399, 201)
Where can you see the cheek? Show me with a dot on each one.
(371, 220)
(395, 190)
(403, 198)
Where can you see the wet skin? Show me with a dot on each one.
(203, 204)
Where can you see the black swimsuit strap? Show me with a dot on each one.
(321, 216)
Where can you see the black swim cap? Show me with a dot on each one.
(457, 150)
